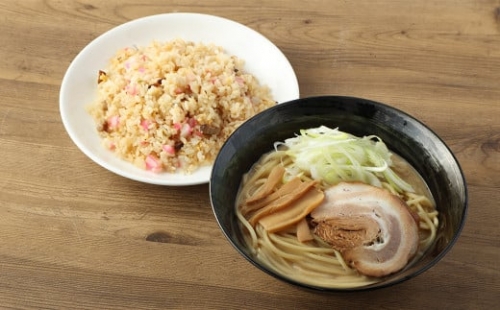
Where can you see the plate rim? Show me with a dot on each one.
(202, 174)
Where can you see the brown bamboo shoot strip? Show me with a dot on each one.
(303, 232)
(291, 215)
(287, 188)
(282, 202)
(271, 182)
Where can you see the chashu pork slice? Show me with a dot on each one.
(372, 228)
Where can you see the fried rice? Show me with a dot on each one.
(169, 106)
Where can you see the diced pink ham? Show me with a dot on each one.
(131, 90)
(240, 81)
(153, 163)
(177, 126)
(145, 124)
(169, 149)
(113, 121)
(186, 130)
(192, 122)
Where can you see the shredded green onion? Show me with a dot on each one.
(331, 156)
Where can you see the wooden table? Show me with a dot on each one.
(73, 235)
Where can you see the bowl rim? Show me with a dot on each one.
(432, 262)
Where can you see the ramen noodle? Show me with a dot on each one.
(329, 209)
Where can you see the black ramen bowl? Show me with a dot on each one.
(403, 134)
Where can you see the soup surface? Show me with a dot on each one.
(329, 209)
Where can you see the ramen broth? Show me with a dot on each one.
(292, 259)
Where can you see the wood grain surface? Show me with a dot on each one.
(75, 236)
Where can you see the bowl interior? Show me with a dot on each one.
(403, 134)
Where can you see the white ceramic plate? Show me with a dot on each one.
(262, 59)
